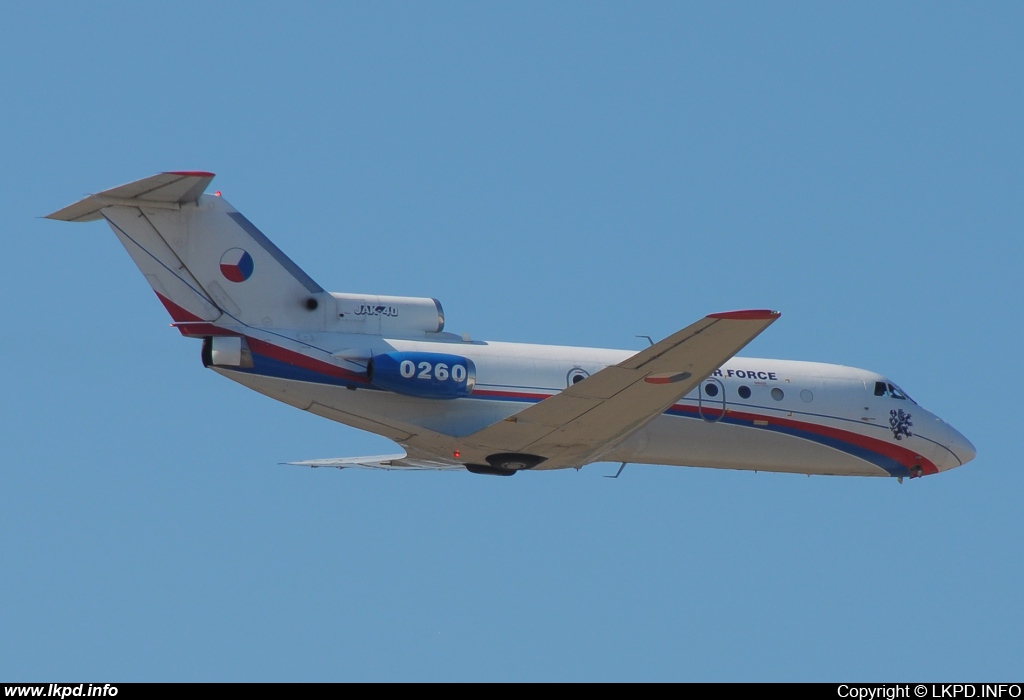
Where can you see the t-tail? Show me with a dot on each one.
(217, 273)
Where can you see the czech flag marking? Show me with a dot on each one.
(236, 265)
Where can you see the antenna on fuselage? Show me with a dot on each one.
(623, 466)
(648, 338)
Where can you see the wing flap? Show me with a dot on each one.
(396, 462)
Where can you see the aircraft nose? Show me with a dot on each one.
(960, 446)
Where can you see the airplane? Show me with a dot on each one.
(385, 364)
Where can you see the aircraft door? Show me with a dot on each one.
(711, 400)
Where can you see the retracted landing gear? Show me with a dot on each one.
(506, 463)
(487, 469)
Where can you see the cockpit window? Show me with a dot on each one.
(889, 389)
(898, 393)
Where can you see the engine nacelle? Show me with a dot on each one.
(428, 375)
(226, 351)
(380, 315)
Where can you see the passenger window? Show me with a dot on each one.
(744, 392)
(711, 389)
(880, 389)
(575, 376)
(777, 394)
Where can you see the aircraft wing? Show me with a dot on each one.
(385, 462)
(586, 420)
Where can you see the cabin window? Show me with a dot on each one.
(711, 389)
(806, 396)
(744, 392)
(778, 394)
(575, 376)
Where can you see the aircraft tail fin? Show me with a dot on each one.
(205, 260)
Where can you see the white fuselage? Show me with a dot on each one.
(771, 415)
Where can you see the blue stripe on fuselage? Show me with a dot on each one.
(270, 367)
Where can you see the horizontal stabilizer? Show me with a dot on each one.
(385, 462)
(163, 191)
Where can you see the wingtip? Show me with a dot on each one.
(748, 315)
(191, 173)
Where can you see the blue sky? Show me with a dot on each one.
(569, 173)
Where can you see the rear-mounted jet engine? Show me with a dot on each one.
(424, 374)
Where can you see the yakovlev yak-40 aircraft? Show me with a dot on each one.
(384, 364)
